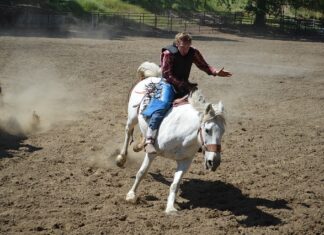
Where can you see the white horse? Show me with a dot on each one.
(184, 130)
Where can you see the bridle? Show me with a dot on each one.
(215, 148)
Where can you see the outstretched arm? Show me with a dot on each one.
(222, 73)
(201, 63)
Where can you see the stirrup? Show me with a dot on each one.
(149, 148)
(149, 140)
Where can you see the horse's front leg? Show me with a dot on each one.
(182, 167)
(131, 195)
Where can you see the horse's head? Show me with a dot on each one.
(211, 132)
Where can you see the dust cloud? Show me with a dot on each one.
(105, 158)
(34, 98)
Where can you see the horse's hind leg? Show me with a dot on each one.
(129, 129)
(131, 195)
(139, 145)
(1, 102)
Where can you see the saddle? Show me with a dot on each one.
(180, 101)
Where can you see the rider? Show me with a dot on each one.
(176, 61)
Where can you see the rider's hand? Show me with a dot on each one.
(192, 86)
(188, 86)
(222, 73)
(183, 85)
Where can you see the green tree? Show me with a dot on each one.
(260, 12)
(315, 5)
(263, 7)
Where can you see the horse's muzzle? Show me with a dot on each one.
(212, 165)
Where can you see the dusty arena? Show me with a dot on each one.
(62, 117)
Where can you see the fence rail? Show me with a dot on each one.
(206, 21)
(198, 22)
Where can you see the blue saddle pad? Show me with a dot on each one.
(161, 99)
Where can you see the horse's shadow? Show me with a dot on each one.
(221, 196)
(10, 142)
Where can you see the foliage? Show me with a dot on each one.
(189, 5)
(272, 7)
(315, 5)
(79, 6)
(261, 8)
(72, 6)
(227, 5)
(306, 8)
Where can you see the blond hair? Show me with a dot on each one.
(183, 37)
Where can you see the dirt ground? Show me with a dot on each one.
(60, 177)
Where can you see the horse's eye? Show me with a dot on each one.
(207, 131)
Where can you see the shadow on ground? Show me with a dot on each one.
(271, 33)
(9, 143)
(121, 32)
(221, 196)
(109, 32)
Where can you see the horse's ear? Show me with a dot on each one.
(220, 106)
(209, 108)
(209, 112)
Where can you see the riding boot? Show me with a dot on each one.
(150, 140)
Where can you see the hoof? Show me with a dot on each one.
(138, 148)
(120, 160)
(131, 197)
(171, 211)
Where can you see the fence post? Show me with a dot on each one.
(204, 19)
(143, 20)
(168, 24)
(93, 20)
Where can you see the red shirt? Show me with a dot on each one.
(167, 65)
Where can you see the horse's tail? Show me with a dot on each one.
(148, 69)
(145, 70)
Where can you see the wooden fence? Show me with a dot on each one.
(153, 21)
(297, 24)
(198, 22)
(205, 22)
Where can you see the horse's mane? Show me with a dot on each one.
(198, 101)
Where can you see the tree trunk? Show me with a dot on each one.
(260, 14)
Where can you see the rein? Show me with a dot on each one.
(215, 148)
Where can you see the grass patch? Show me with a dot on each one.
(110, 6)
(146, 6)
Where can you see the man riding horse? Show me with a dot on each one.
(176, 62)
